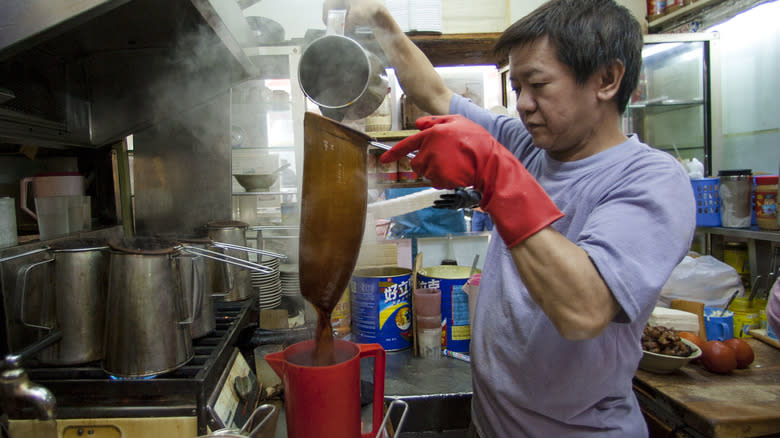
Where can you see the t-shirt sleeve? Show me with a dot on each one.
(639, 232)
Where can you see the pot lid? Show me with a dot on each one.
(227, 224)
(144, 245)
(73, 245)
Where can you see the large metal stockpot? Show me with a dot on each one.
(147, 324)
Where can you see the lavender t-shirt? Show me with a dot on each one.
(631, 207)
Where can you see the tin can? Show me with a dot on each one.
(766, 202)
(450, 279)
(387, 172)
(655, 8)
(340, 317)
(746, 317)
(372, 166)
(735, 188)
(381, 307)
(405, 172)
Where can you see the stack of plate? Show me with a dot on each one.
(291, 286)
(268, 285)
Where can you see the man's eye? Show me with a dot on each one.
(538, 84)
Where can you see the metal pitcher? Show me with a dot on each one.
(80, 289)
(199, 280)
(147, 328)
(232, 232)
(337, 73)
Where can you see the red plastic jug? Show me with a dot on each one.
(324, 401)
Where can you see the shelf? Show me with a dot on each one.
(398, 185)
(662, 106)
(458, 49)
(753, 233)
(687, 9)
(263, 193)
(392, 135)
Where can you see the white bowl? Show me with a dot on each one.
(665, 364)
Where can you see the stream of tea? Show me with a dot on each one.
(324, 353)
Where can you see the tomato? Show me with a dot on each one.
(743, 350)
(717, 357)
(693, 337)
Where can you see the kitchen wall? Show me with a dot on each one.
(458, 16)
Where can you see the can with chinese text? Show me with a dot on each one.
(381, 307)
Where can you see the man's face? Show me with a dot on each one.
(559, 113)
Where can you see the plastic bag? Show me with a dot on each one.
(704, 279)
(694, 167)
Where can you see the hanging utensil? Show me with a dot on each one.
(474, 266)
(728, 303)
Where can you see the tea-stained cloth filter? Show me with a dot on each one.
(333, 208)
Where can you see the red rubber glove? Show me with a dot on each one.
(456, 152)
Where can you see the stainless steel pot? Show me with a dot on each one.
(147, 329)
(208, 273)
(79, 298)
(232, 232)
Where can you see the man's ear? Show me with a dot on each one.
(610, 78)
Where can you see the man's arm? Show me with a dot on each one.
(415, 72)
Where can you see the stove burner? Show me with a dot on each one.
(87, 391)
(132, 378)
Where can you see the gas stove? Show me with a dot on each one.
(87, 397)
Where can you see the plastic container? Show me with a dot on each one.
(705, 191)
(746, 317)
(427, 302)
(429, 342)
(735, 188)
(765, 204)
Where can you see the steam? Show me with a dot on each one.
(200, 69)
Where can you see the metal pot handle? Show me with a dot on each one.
(248, 249)
(227, 259)
(197, 298)
(24, 254)
(21, 280)
(227, 276)
(269, 412)
(397, 402)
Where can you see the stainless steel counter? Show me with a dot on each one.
(438, 393)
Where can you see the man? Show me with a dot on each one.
(588, 223)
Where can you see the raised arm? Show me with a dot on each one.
(415, 72)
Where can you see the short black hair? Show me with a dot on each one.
(588, 35)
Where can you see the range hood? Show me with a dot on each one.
(89, 72)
